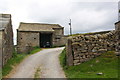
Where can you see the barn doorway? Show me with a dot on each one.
(45, 40)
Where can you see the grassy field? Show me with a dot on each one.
(90, 33)
(107, 64)
(16, 59)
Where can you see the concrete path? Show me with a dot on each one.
(48, 62)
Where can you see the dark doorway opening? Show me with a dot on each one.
(45, 40)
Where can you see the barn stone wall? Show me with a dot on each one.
(0, 49)
(58, 31)
(82, 48)
(60, 41)
(58, 37)
(7, 43)
(27, 40)
(6, 38)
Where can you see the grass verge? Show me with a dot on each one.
(12, 62)
(58, 46)
(62, 58)
(107, 64)
(0, 73)
(16, 59)
(37, 73)
(35, 50)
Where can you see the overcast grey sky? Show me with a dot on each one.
(86, 15)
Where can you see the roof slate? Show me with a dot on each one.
(38, 27)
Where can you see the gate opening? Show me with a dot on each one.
(45, 40)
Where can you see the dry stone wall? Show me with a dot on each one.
(82, 48)
(117, 28)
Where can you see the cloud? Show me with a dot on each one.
(94, 0)
(86, 16)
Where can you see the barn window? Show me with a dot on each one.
(21, 38)
(58, 37)
(34, 38)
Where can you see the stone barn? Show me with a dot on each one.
(39, 34)
(6, 38)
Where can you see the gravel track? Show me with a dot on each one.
(48, 62)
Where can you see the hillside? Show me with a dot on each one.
(104, 66)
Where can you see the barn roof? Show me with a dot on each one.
(4, 20)
(38, 27)
(117, 22)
